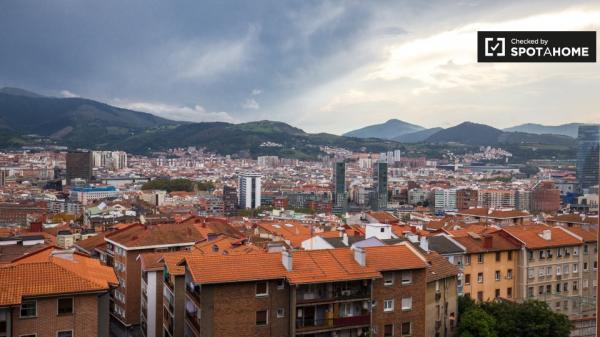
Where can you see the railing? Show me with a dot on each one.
(313, 297)
(193, 320)
(332, 323)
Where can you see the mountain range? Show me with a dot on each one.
(27, 118)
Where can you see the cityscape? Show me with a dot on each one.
(132, 215)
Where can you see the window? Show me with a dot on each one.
(575, 283)
(548, 288)
(382, 230)
(498, 275)
(407, 303)
(280, 313)
(595, 265)
(540, 290)
(407, 277)
(529, 255)
(509, 292)
(497, 293)
(558, 270)
(575, 251)
(585, 284)
(558, 287)
(388, 330)
(262, 289)
(585, 249)
(280, 284)
(28, 309)
(479, 277)
(541, 254)
(559, 252)
(261, 317)
(65, 305)
(549, 271)
(509, 274)
(66, 333)
(549, 253)
(31, 335)
(388, 305)
(510, 255)
(530, 292)
(406, 329)
(498, 255)
(388, 279)
(585, 266)
(530, 273)
(575, 267)
(565, 287)
(541, 272)
(480, 258)
(467, 260)
(467, 278)
(480, 296)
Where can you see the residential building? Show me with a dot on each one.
(55, 293)
(249, 190)
(490, 265)
(551, 266)
(466, 198)
(230, 200)
(122, 250)
(87, 194)
(545, 197)
(495, 198)
(441, 297)
(445, 199)
(347, 292)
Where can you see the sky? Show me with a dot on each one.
(323, 66)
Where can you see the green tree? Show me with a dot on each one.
(477, 323)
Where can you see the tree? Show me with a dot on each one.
(475, 322)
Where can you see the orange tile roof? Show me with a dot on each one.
(49, 273)
(151, 235)
(530, 235)
(476, 243)
(439, 268)
(588, 235)
(309, 266)
(384, 217)
(574, 218)
(396, 257)
(225, 245)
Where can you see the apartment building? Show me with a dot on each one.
(551, 266)
(495, 198)
(55, 293)
(489, 265)
(589, 266)
(122, 250)
(441, 297)
(335, 292)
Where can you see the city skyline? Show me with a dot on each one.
(304, 64)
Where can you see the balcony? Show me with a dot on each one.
(303, 325)
(311, 297)
(193, 292)
(193, 322)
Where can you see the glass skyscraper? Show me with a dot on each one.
(379, 199)
(340, 197)
(588, 147)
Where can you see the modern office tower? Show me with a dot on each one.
(588, 146)
(3, 174)
(380, 183)
(340, 197)
(79, 165)
(230, 200)
(249, 190)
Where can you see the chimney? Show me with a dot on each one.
(360, 256)
(547, 234)
(487, 241)
(345, 239)
(286, 260)
(424, 244)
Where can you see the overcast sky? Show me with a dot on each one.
(324, 66)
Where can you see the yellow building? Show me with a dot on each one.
(490, 265)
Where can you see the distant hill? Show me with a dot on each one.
(18, 92)
(415, 137)
(253, 138)
(480, 134)
(467, 133)
(388, 130)
(75, 121)
(564, 129)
